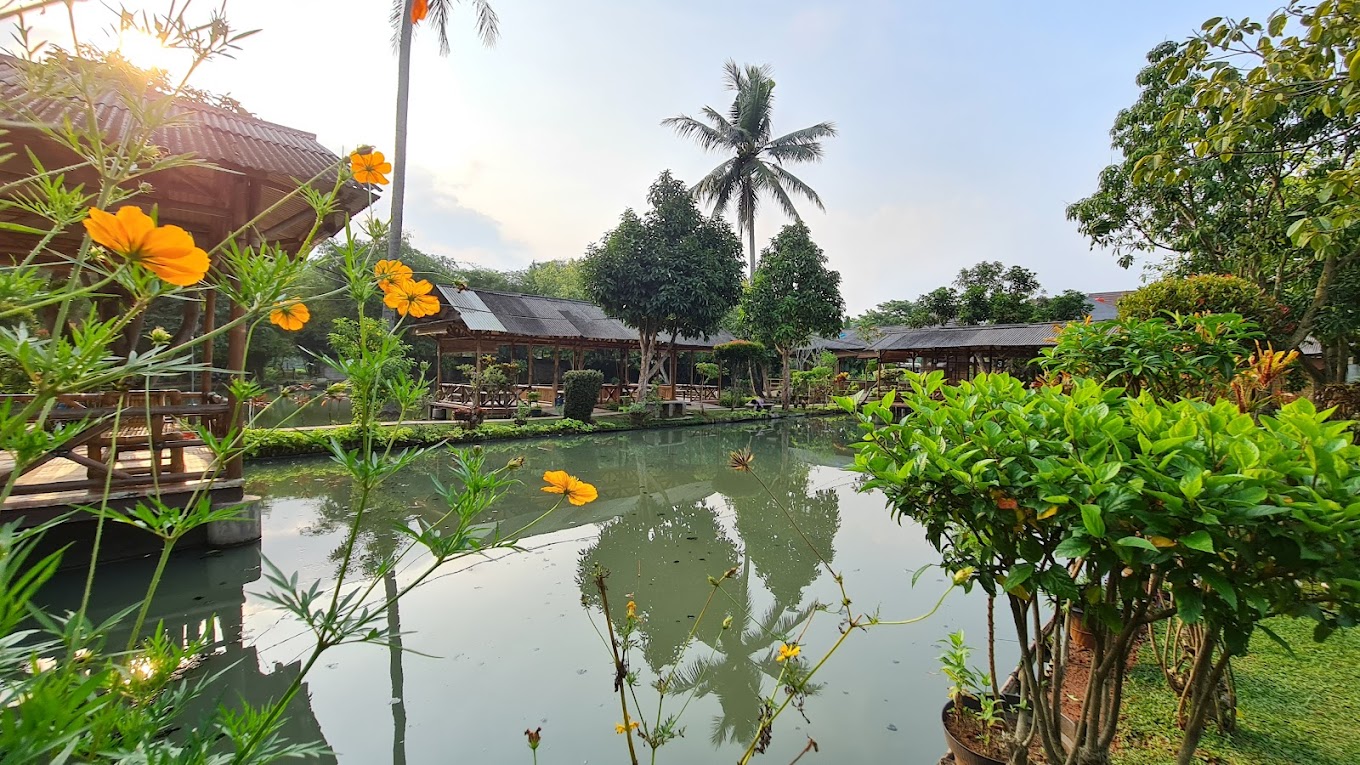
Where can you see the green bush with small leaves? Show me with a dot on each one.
(580, 392)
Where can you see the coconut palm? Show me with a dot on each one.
(406, 14)
(756, 166)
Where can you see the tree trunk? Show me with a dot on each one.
(395, 669)
(751, 242)
(785, 380)
(399, 144)
(647, 342)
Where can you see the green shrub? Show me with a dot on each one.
(639, 413)
(1207, 293)
(1169, 357)
(581, 389)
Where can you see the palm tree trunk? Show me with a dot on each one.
(399, 145)
(751, 241)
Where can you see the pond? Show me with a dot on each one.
(501, 643)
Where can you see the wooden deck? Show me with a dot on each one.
(37, 505)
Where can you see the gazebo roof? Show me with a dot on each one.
(983, 336)
(512, 317)
(255, 163)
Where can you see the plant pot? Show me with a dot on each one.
(963, 755)
(1077, 631)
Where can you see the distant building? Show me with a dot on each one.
(1103, 304)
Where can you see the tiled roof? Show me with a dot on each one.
(985, 336)
(221, 137)
(508, 313)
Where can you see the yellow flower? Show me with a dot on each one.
(370, 167)
(632, 610)
(577, 492)
(620, 728)
(166, 251)
(412, 298)
(788, 651)
(390, 273)
(963, 575)
(290, 316)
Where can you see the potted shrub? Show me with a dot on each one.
(974, 717)
(522, 411)
(533, 397)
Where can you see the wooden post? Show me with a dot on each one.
(557, 372)
(438, 365)
(529, 364)
(623, 368)
(236, 336)
(674, 378)
(477, 382)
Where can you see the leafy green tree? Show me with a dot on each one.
(674, 272)
(757, 163)
(1240, 159)
(987, 293)
(793, 296)
(1208, 293)
(488, 29)
(553, 278)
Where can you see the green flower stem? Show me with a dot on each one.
(167, 545)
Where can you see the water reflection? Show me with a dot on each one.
(500, 644)
(662, 554)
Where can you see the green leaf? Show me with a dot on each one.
(1192, 486)
(1091, 519)
(1189, 605)
(1136, 542)
(1278, 640)
(1198, 540)
(1018, 576)
(19, 228)
(1221, 586)
(1072, 548)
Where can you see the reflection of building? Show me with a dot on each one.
(200, 596)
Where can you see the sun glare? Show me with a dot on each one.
(146, 51)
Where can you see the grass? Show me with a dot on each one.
(1291, 711)
(288, 442)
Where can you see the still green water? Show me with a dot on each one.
(504, 642)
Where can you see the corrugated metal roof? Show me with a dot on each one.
(1103, 304)
(986, 336)
(206, 132)
(489, 311)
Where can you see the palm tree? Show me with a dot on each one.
(405, 15)
(757, 162)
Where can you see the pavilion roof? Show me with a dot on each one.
(490, 314)
(982, 336)
(241, 150)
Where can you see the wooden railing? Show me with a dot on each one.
(163, 424)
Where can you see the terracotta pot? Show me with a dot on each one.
(1077, 631)
(962, 754)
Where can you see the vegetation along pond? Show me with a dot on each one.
(513, 640)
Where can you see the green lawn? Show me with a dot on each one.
(1303, 711)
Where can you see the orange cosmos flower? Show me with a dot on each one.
(390, 273)
(576, 491)
(412, 298)
(370, 167)
(290, 316)
(166, 251)
(419, 9)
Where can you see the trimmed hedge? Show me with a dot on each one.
(286, 443)
(580, 391)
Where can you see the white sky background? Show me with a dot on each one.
(966, 129)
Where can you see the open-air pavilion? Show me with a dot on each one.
(252, 168)
(551, 336)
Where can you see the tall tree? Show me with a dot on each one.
(406, 14)
(673, 272)
(757, 160)
(1240, 157)
(986, 293)
(793, 296)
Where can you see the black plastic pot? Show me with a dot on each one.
(962, 754)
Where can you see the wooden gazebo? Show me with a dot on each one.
(477, 322)
(252, 169)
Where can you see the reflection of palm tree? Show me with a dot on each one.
(742, 659)
(395, 669)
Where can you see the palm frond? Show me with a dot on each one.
(441, 11)
(717, 187)
(801, 145)
(771, 183)
(709, 137)
(795, 184)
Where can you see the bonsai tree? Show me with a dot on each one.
(793, 297)
(671, 272)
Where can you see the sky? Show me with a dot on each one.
(966, 129)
